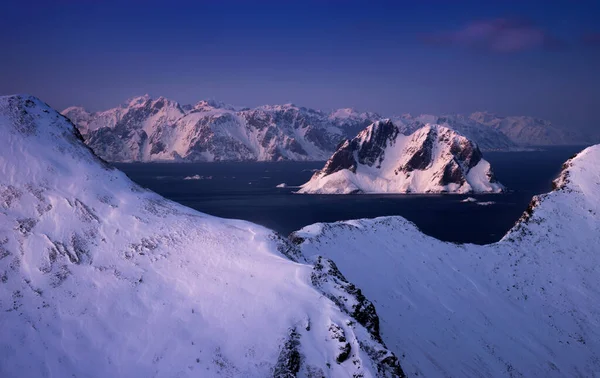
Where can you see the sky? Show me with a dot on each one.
(536, 58)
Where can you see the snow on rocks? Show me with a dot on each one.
(100, 277)
(524, 306)
(434, 159)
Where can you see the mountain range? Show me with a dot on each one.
(100, 277)
(148, 130)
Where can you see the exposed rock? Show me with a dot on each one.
(433, 159)
(144, 129)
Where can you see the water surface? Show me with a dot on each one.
(248, 191)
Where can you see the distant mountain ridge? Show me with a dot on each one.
(145, 129)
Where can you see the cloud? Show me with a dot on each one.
(501, 35)
(591, 39)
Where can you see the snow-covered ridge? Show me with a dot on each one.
(144, 129)
(529, 131)
(101, 278)
(147, 129)
(522, 307)
(433, 159)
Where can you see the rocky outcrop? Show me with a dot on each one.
(433, 159)
(517, 308)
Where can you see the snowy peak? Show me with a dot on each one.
(154, 105)
(137, 101)
(350, 113)
(95, 268)
(209, 105)
(486, 138)
(529, 131)
(381, 159)
(461, 149)
(520, 307)
(147, 129)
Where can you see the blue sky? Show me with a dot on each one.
(510, 57)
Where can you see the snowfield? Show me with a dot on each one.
(101, 278)
(526, 306)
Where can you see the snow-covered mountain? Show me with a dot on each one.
(144, 129)
(523, 307)
(433, 159)
(147, 129)
(487, 138)
(101, 278)
(529, 131)
(497, 133)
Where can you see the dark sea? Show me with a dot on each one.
(248, 191)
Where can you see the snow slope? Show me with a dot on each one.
(433, 159)
(101, 278)
(526, 306)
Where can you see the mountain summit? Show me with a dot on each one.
(100, 277)
(433, 159)
(145, 129)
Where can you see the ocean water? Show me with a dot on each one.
(247, 190)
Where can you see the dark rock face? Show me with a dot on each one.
(420, 154)
(452, 174)
(372, 150)
(343, 158)
(467, 152)
(157, 148)
(259, 121)
(294, 146)
(454, 156)
(321, 138)
(288, 363)
(367, 148)
(337, 333)
(363, 311)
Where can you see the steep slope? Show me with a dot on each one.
(523, 307)
(131, 132)
(529, 131)
(144, 129)
(101, 278)
(433, 159)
